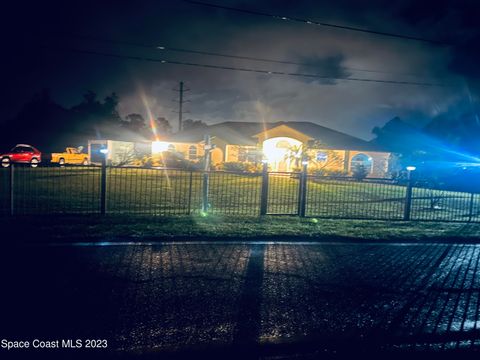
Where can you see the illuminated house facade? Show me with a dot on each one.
(282, 144)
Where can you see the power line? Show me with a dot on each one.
(316, 23)
(233, 68)
(285, 62)
(240, 57)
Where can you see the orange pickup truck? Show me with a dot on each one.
(70, 156)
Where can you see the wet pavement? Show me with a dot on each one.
(260, 299)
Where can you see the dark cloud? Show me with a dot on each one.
(219, 95)
(329, 67)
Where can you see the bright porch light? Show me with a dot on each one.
(159, 147)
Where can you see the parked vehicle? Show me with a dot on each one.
(70, 156)
(22, 154)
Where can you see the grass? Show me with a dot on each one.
(141, 228)
(76, 190)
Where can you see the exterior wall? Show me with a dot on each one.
(216, 156)
(119, 152)
(340, 160)
(232, 152)
(335, 160)
(183, 148)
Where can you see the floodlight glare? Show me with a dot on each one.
(104, 151)
(411, 168)
(159, 147)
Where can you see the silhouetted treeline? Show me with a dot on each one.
(446, 150)
(50, 127)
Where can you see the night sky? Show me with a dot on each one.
(40, 39)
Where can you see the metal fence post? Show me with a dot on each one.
(264, 190)
(302, 190)
(12, 189)
(189, 210)
(205, 192)
(470, 208)
(206, 175)
(103, 186)
(408, 199)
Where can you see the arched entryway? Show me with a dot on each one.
(282, 153)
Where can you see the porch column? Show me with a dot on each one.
(346, 161)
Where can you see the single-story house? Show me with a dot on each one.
(118, 152)
(282, 144)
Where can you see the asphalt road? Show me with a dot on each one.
(259, 299)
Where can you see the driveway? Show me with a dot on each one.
(259, 299)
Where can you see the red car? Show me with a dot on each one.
(22, 153)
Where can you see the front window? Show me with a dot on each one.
(252, 155)
(242, 154)
(321, 156)
(247, 154)
(192, 152)
(171, 147)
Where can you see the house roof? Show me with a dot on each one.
(234, 133)
(243, 133)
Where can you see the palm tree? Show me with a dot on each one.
(295, 155)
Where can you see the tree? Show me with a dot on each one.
(134, 123)
(190, 124)
(399, 136)
(163, 126)
(110, 104)
(125, 157)
(459, 126)
(359, 172)
(89, 105)
(297, 154)
(329, 163)
(41, 122)
(92, 117)
(60, 126)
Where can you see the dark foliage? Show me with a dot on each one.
(51, 127)
(359, 172)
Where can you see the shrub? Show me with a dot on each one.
(359, 172)
(240, 167)
(170, 159)
(326, 172)
(147, 161)
(233, 166)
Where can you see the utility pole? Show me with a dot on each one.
(180, 107)
(181, 101)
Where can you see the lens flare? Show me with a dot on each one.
(159, 147)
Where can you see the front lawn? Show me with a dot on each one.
(76, 190)
(142, 228)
